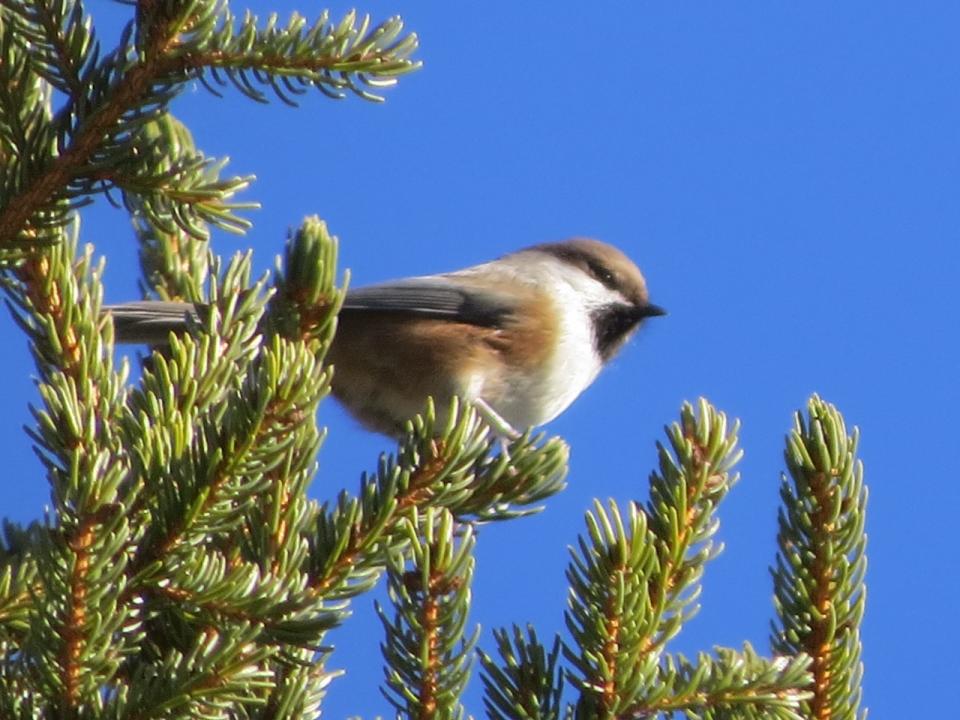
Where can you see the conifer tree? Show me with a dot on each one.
(183, 571)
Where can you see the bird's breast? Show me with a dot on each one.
(548, 360)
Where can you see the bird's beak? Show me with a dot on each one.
(650, 310)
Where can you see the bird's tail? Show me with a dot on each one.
(150, 322)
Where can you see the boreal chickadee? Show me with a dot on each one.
(520, 337)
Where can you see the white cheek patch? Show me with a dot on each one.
(575, 363)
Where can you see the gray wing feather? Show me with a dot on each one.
(150, 321)
(434, 297)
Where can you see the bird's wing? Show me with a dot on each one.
(432, 297)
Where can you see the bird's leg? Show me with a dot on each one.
(504, 431)
(501, 427)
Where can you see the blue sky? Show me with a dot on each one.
(786, 175)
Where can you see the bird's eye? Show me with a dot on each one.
(601, 273)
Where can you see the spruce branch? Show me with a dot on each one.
(216, 590)
(331, 57)
(451, 466)
(225, 466)
(98, 130)
(58, 38)
(633, 579)
(513, 482)
(27, 140)
(170, 187)
(291, 383)
(61, 316)
(18, 574)
(124, 90)
(609, 615)
(694, 476)
(72, 645)
(730, 684)
(300, 689)
(255, 438)
(427, 655)
(527, 683)
(191, 431)
(819, 575)
(240, 559)
(174, 260)
(175, 265)
(353, 540)
(306, 298)
(219, 671)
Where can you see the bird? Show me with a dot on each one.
(519, 337)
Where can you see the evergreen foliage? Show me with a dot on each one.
(819, 575)
(183, 571)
